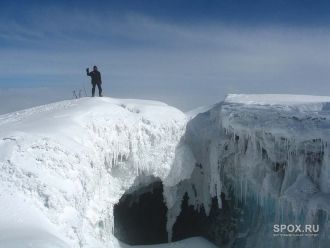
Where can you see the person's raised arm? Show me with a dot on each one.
(87, 71)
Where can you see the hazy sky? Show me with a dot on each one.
(186, 53)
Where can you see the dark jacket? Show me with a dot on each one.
(95, 77)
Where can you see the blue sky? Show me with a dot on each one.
(185, 53)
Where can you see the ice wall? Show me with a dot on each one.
(269, 155)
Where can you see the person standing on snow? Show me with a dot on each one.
(95, 80)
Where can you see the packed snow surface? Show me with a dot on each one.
(276, 99)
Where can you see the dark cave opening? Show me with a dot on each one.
(140, 219)
(215, 227)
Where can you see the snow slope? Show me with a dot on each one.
(269, 154)
(65, 165)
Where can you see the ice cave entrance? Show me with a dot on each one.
(140, 218)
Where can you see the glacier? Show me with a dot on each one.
(248, 162)
(266, 156)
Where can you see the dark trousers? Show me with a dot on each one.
(99, 87)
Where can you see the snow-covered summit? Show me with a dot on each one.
(64, 165)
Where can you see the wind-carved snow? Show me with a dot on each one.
(269, 154)
(71, 161)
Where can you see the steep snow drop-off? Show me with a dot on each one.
(265, 160)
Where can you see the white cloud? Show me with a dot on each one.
(184, 65)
